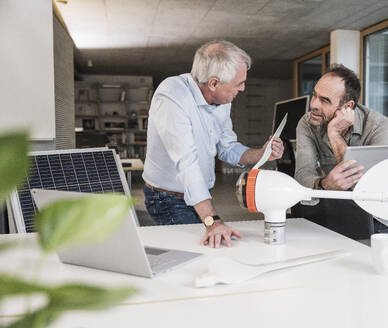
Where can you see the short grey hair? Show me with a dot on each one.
(219, 59)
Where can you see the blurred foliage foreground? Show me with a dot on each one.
(60, 225)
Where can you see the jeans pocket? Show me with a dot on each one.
(167, 208)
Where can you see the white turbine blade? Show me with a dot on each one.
(375, 181)
(224, 270)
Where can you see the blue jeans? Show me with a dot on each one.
(167, 208)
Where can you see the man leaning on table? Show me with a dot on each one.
(189, 124)
(336, 120)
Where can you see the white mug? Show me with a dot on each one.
(379, 248)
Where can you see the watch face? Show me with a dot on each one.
(209, 221)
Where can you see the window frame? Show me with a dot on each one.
(364, 33)
(321, 51)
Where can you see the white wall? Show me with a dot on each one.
(345, 49)
(27, 67)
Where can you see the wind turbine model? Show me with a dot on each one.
(272, 192)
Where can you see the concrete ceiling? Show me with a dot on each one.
(159, 37)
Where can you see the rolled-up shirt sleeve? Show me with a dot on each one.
(306, 156)
(175, 131)
(228, 149)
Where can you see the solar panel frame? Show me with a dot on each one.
(95, 170)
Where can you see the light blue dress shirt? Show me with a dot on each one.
(184, 135)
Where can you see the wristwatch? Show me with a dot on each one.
(320, 184)
(210, 220)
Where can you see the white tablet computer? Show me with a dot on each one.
(366, 156)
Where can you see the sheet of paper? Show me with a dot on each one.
(268, 149)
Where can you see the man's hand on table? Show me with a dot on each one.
(219, 233)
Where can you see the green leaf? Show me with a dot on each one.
(60, 299)
(83, 297)
(41, 318)
(13, 162)
(10, 286)
(71, 222)
(13, 286)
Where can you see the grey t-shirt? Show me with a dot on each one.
(314, 156)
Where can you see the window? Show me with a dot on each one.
(375, 67)
(309, 72)
(308, 69)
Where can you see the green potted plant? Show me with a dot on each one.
(60, 225)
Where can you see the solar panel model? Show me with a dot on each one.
(95, 170)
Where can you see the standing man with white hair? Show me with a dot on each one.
(189, 124)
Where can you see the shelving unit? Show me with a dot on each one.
(118, 113)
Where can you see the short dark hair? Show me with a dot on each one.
(352, 83)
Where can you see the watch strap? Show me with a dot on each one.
(215, 218)
(320, 184)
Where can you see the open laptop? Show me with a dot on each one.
(123, 251)
(367, 156)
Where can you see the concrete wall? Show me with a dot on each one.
(252, 112)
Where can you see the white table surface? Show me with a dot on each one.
(345, 292)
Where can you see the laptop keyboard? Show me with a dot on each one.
(161, 263)
(154, 251)
(163, 260)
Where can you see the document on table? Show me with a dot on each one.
(268, 149)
